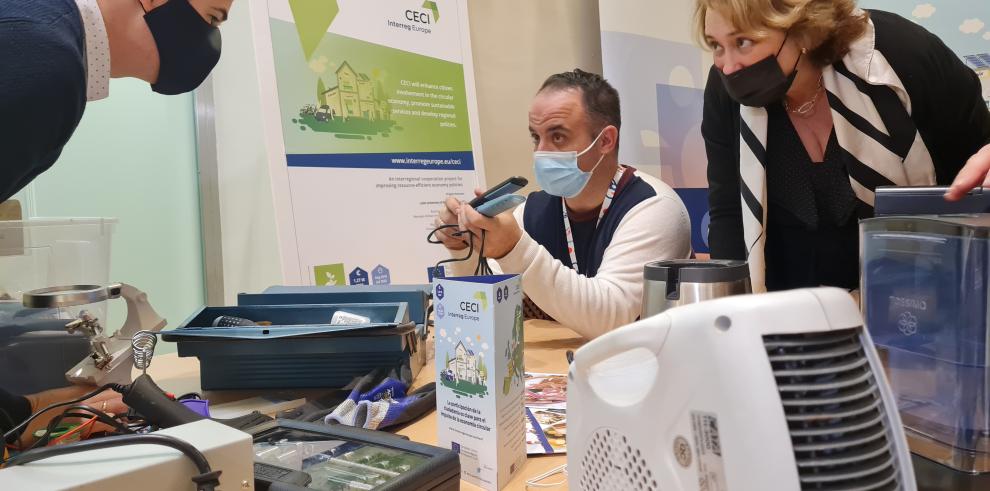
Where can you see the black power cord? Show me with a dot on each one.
(481, 269)
(207, 480)
(470, 242)
(89, 412)
(17, 429)
(142, 394)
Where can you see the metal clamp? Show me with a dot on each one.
(85, 323)
(101, 355)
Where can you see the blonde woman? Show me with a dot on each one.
(812, 104)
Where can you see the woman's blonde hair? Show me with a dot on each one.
(825, 27)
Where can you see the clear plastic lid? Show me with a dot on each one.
(47, 252)
(16, 319)
(337, 465)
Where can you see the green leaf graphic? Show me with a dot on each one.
(312, 17)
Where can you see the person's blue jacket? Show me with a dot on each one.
(42, 86)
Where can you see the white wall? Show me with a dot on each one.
(133, 157)
(516, 45)
(247, 214)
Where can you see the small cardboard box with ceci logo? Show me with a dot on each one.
(479, 362)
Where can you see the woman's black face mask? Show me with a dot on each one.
(760, 84)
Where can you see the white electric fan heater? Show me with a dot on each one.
(771, 392)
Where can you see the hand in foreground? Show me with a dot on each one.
(502, 232)
(107, 401)
(448, 216)
(975, 173)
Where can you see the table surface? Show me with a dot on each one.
(546, 344)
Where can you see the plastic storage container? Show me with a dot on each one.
(924, 293)
(300, 348)
(44, 252)
(417, 297)
(40, 253)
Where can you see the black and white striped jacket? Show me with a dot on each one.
(905, 109)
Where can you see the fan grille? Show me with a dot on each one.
(610, 463)
(836, 416)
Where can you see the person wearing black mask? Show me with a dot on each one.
(812, 104)
(56, 55)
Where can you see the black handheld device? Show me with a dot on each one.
(503, 188)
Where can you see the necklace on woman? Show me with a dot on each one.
(807, 109)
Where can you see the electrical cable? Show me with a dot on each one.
(101, 416)
(89, 422)
(470, 242)
(151, 398)
(17, 429)
(207, 480)
(481, 256)
(478, 268)
(90, 431)
(482, 268)
(535, 480)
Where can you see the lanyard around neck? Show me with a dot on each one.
(609, 196)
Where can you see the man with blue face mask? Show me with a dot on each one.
(56, 55)
(581, 242)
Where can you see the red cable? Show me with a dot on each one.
(73, 431)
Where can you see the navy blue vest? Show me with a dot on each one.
(543, 221)
(42, 86)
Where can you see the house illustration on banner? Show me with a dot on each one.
(464, 366)
(381, 276)
(359, 277)
(355, 95)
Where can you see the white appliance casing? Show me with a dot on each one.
(637, 387)
(143, 467)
